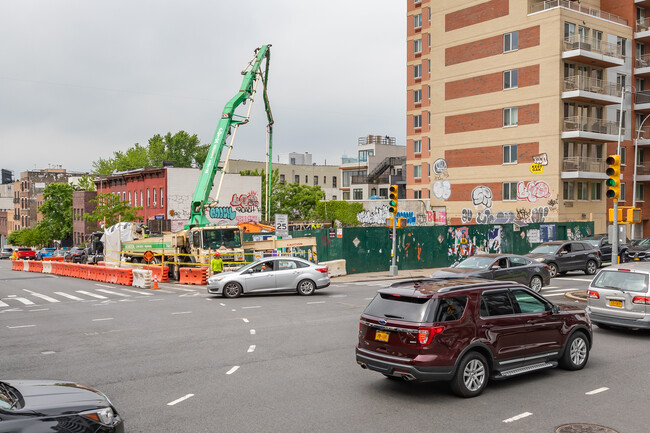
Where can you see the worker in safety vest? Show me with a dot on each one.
(216, 264)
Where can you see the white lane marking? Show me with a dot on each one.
(561, 290)
(178, 400)
(232, 370)
(48, 352)
(83, 292)
(554, 294)
(338, 296)
(256, 306)
(104, 285)
(517, 417)
(316, 302)
(21, 326)
(234, 309)
(180, 288)
(222, 304)
(65, 295)
(139, 293)
(163, 291)
(152, 300)
(110, 292)
(251, 348)
(183, 312)
(23, 300)
(551, 287)
(39, 309)
(596, 391)
(100, 320)
(40, 295)
(245, 320)
(11, 309)
(252, 332)
(367, 299)
(2, 304)
(575, 279)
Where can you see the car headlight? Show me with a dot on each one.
(104, 416)
(540, 259)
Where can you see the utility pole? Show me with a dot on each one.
(392, 208)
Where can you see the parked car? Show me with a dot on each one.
(55, 406)
(564, 256)
(509, 267)
(467, 332)
(601, 242)
(620, 296)
(270, 275)
(25, 253)
(638, 252)
(75, 255)
(45, 252)
(6, 253)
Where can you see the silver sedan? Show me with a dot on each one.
(271, 274)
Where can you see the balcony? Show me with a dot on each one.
(592, 52)
(642, 3)
(642, 101)
(575, 6)
(642, 30)
(643, 171)
(578, 167)
(590, 90)
(644, 135)
(590, 128)
(642, 66)
(365, 180)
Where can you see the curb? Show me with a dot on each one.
(577, 296)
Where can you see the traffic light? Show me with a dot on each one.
(392, 200)
(614, 173)
(634, 215)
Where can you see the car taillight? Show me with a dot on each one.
(322, 270)
(426, 335)
(642, 300)
(548, 268)
(593, 294)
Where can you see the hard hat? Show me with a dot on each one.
(217, 254)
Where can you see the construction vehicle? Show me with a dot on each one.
(253, 227)
(95, 248)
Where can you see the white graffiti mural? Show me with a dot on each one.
(442, 189)
(482, 195)
(533, 191)
(541, 159)
(377, 215)
(440, 169)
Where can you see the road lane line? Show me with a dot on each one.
(139, 293)
(178, 400)
(551, 287)
(245, 320)
(100, 320)
(517, 417)
(21, 326)
(183, 312)
(232, 370)
(251, 348)
(222, 304)
(597, 391)
(252, 332)
(256, 306)
(39, 309)
(574, 279)
(561, 290)
(23, 300)
(83, 292)
(110, 292)
(104, 285)
(316, 302)
(40, 295)
(65, 295)
(2, 304)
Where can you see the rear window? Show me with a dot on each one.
(621, 280)
(24, 249)
(450, 309)
(399, 307)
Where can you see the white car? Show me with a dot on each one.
(271, 274)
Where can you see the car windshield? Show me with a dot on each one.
(213, 239)
(476, 262)
(646, 241)
(621, 280)
(545, 249)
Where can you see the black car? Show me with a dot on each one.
(640, 251)
(509, 267)
(563, 256)
(75, 255)
(601, 242)
(55, 406)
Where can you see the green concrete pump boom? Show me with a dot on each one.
(252, 72)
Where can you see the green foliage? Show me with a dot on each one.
(86, 183)
(183, 149)
(343, 211)
(57, 211)
(297, 201)
(34, 237)
(111, 209)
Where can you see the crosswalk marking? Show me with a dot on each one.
(23, 300)
(113, 293)
(40, 295)
(94, 295)
(2, 304)
(66, 295)
(139, 293)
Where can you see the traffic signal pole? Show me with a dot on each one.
(618, 155)
(392, 208)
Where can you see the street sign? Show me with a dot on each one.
(148, 256)
(159, 217)
(281, 224)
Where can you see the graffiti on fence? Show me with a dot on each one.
(377, 215)
(494, 240)
(460, 244)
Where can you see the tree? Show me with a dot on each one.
(297, 201)
(111, 209)
(29, 237)
(57, 211)
(86, 183)
(343, 211)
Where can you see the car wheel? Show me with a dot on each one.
(231, 290)
(552, 269)
(306, 287)
(536, 283)
(471, 377)
(592, 267)
(576, 352)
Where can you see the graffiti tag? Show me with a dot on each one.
(245, 202)
(440, 168)
(442, 189)
(482, 195)
(222, 212)
(533, 190)
(541, 159)
(466, 216)
(410, 218)
(377, 215)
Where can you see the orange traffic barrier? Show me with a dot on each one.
(197, 276)
(157, 271)
(53, 259)
(17, 265)
(35, 266)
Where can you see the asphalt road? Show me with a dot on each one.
(179, 360)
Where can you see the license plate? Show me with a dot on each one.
(382, 336)
(636, 258)
(618, 304)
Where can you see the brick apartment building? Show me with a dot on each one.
(495, 86)
(82, 204)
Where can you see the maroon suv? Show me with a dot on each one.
(466, 331)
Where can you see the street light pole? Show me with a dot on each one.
(636, 149)
(618, 152)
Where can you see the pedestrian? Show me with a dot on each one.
(216, 264)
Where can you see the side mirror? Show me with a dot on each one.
(495, 267)
(561, 253)
(555, 309)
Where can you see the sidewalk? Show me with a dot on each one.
(384, 275)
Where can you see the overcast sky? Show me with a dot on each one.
(82, 79)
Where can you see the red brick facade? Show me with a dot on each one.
(463, 191)
(490, 119)
(476, 14)
(488, 47)
(489, 83)
(492, 155)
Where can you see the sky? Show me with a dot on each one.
(82, 79)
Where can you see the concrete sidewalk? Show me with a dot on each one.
(384, 275)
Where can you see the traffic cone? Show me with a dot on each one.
(155, 282)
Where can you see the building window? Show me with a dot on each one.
(161, 198)
(417, 46)
(315, 180)
(306, 179)
(417, 21)
(417, 121)
(296, 179)
(567, 190)
(148, 197)
(141, 198)
(511, 79)
(623, 155)
(282, 179)
(510, 154)
(346, 195)
(333, 197)
(373, 192)
(417, 71)
(622, 197)
(510, 116)
(639, 192)
(417, 171)
(357, 194)
(417, 96)
(155, 198)
(333, 181)
(417, 194)
(365, 154)
(620, 44)
(509, 191)
(510, 41)
(417, 146)
(130, 199)
(324, 180)
(582, 191)
(596, 191)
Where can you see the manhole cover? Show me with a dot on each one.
(583, 428)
